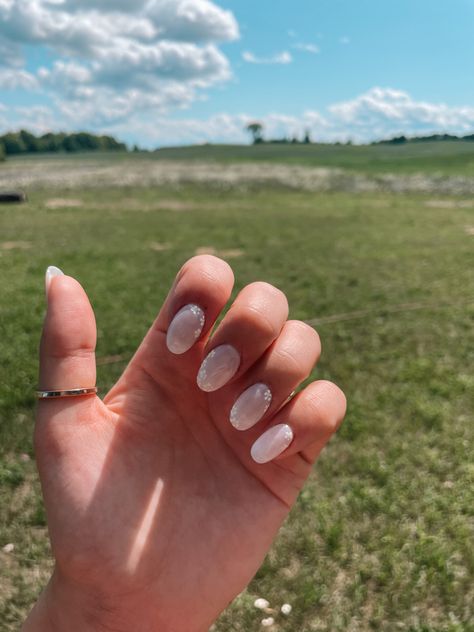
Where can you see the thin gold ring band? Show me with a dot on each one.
(73, 392)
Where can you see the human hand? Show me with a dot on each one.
(158, 514)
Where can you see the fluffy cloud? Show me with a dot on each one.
(378, 113)
(279, 58)
(113, 56)
(11, 79)
(384, 111)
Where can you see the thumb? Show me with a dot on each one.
(67, 350)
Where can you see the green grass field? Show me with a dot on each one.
(445, 157)
(382, 536)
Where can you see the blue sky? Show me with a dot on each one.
(160, 72)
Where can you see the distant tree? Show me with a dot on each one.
(29, 141)
(13, 144)
(256, 129)
(24, 142)
(2, 152)
(307, 137)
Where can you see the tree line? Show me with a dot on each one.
(255, 129)
(24, 142)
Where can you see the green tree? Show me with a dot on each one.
(29, 141)
(256, 129)
(12, 144)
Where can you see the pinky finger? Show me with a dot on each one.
(304, 425)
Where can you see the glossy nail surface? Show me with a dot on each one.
(218, 367)
(51, 272)
(272, 443)
(250, 407)
(185, 329)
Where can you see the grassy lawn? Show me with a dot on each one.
(381, 538)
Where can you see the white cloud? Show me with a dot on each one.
(193, 20)
(308, 48)
(141, 116)
(378, 113)
(12, 79)
(219, 128)
(279, 58)
(117, 55)
(385, 111)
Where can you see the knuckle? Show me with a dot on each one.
(208, 266)
(326, 405)
(306, 331)
(206, 271)
(261, 321)
(266, 296)
(293, 366)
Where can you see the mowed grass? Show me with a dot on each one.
(381, 538)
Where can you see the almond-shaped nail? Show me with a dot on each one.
(250, 406)
(218, 367)
(185, 329)
(272, 443)
(51, 272)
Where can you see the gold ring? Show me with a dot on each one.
(72, 392)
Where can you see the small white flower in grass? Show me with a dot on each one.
(266, 623)
(260, 603)
(8, 548)
(286, 608)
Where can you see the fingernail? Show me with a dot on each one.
(272, 443)
(250, 406)
(51, 272)
(185, 329)
(218, 367)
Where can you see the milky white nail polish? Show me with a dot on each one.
(51, 272)
(185, 329)
(250, 407)
(218, 367)
(272, 443)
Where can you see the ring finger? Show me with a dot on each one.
(265, 388)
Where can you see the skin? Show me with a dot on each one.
(157, 514)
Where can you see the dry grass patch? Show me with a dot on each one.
(16, 245)
(231, 253)
(54, 203)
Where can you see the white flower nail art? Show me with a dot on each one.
(250, 406)
(185, 329)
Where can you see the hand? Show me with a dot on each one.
(158, 513)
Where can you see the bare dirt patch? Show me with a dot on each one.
(15, 245)
(232, 253)
(160, 247)
(63, 203)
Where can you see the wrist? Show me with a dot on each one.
(64, 605)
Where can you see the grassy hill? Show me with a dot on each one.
(448, 157)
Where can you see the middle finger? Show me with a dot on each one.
(253, 322)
